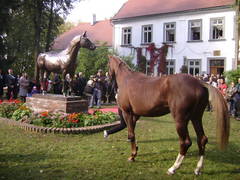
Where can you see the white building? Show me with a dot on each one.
(201, 32)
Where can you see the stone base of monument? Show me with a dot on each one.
(55, 103)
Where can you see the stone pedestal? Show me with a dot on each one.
(51, 102)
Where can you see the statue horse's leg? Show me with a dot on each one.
(131, 124)
(64, 91)
(184, 140)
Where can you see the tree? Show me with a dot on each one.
(232, 76)
(65, 27)
(89, 62)
(237, 32)
(56, 8)
(7, 9)
(27, 28)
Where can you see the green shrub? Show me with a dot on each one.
(232, 76)
(21, 112)
(7, 109)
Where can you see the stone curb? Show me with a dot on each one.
(40, 129)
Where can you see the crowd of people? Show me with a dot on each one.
(230, 92)
(16, 86)
(99, 89)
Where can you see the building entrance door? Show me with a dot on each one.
(216, 66)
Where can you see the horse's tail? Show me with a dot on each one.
(221, 114)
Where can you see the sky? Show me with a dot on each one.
(104, 9)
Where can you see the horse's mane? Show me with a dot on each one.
(73, 43)
(122, 63)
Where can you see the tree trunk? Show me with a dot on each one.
(37, 26)
(237, 35)
(50, 25)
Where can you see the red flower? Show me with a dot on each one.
(44, 114)
(72, 118)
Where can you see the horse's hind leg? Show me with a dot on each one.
(185, 143)
(201, 140)
(131, 123)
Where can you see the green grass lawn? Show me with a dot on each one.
(28, 155)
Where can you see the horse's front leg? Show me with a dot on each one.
(131, 123)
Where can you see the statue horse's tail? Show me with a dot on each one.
(220, 108)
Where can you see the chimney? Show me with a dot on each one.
(93, 19)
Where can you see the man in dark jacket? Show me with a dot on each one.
(1, 85)
(12, 85)
(57, 84)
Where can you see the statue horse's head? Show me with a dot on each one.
(82, 41)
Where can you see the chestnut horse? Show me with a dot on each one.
(181, 95)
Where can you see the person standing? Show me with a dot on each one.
(24, 84)
(99, 87)
(236, 100)
(75, 85)
(88, 91)
(11, 82)
(231, 90)
(222, 87)
(57, 89)
(1, 85)
(82, 83)
(67, 89)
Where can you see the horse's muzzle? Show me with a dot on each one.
(92, 47)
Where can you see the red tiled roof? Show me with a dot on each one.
(134, 8)
(101, 31)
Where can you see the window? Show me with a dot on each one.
(217, 28)
(147, 34)
(194, 66)
(195, 30)
(127, 36)
(170, 65)
(169, 32)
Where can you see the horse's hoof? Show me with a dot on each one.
(131, 159)
(197, 172)
(170, 172)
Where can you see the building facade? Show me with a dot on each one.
(203, 38)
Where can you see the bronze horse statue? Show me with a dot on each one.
(63, 62)
(182, 95)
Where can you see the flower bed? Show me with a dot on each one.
(55, 122)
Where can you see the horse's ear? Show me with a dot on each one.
(109, 56)
(84, 34)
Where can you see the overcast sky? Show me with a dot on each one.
(104, 9)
